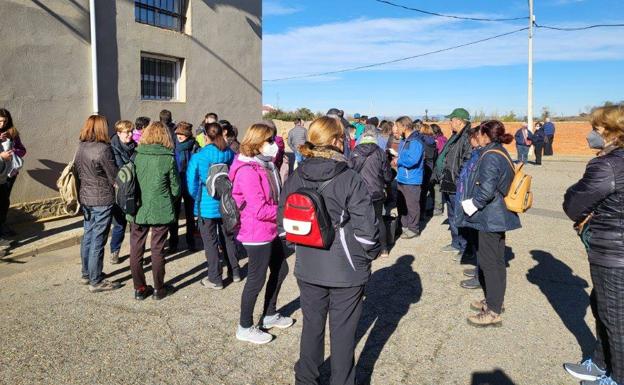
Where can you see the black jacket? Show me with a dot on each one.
(371, 162)
(453, 156)
(123, 152)
(95, 165)
(348, 261)
(487, 186)
(601, 192)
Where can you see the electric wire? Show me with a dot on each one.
(449, 16)
(569, 29)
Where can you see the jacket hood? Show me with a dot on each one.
(154, 149)
(321, 169)
(364, 149)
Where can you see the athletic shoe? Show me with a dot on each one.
(485, 318)
(209, 285)
(253, 335)
(409, 234)
(602, 380)
(140, 295)
(236, 275)
(586, 370)
(114, 257)
(480, 305)
(166, 291)
(437, 212)
(104, 285)
(84, 280)
(472, 283)
(470, 272)
(384, 254)
(449, 249)
(277, 321)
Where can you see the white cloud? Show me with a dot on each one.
(359, 42)
(566, 2)
(275, 8)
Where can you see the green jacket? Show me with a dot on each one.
(159, 184)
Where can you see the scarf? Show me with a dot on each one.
(272, 175)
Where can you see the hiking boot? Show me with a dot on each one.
(409, 234)
(470, 272)
(480, 305)
(104, 285)
(472, 283)
(209, 285)
(140, 295)
(586, 370)
(277, 321)
(485, 318)
(114, 257)
(166, 291)
(602, 380)
(449, 249)
(84, 280)
(253, 335)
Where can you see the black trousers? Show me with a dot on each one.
(426, 190)
(492, 269)
(539, 147)
(265, 257)
(189, 203)
(548, 145)
(208, 229)
(408, 205)
(607, 303)
(381, 224)
(344, 305)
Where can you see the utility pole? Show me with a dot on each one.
(530, 79)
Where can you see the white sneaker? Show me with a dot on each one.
(253, 335)
(277, 321)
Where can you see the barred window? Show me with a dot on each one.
(159, 77)
(160, 13)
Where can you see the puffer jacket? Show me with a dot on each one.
(371, 162)
(601, 192)
(411, 162)
(487, 186)
(197, 173)
(455, 153)
(95, 165)
(123, 152)
(347, 263)
(252, 192)
(159, 185)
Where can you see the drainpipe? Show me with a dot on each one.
(94, 69)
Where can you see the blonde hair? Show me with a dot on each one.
(322, 133)
(156, 133)
(95, 129)
(426, 129)
(611, 118)
(123, 125)
(255, 136)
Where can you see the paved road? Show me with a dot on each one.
(413, 328)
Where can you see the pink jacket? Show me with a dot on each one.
(252, 193)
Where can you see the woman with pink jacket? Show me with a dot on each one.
(256, 189)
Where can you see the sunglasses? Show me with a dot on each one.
(270, 140)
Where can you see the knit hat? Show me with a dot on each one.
(185, 129)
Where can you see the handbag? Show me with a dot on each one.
(582, 229)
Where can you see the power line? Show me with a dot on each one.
(567, 29)
(398, 60)
(449, 16)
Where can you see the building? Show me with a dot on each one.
(267, 108)
(188, 56)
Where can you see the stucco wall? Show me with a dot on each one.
(45, 72)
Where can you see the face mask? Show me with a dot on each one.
(595, 140)
(269, 149)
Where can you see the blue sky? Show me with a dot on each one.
(573, 70)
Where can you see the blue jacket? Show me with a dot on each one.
(196, 175)
(411, 160)
(520, 138)
(549, 128)
(487, 186)
(462, 186)
(539, 136)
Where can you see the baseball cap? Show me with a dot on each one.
(459, 113)
(357, 116)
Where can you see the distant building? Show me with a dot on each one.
(268, 108)
(188, 56)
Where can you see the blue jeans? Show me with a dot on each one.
(458, 241)
(97, 220)
(523, 153)
(118, 229)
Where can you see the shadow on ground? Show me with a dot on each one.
(496, 377)
(566, 293)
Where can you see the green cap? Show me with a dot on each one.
(459, 113)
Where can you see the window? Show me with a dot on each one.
(160, 13)
(159, 77)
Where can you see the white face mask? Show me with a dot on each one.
(269, 149)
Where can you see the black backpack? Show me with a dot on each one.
(219, 186)
(127, 195)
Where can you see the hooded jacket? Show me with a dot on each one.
(347, 263)
(95, 164)
(159, 185)
(123, 152)
(197, 173)
(371, 162)
(455, 153)
(411, 162)
(487, 185)
(601, 193)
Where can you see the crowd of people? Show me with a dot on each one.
(379, 180)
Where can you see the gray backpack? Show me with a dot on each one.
(219, 186)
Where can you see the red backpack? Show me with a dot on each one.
(306, 219)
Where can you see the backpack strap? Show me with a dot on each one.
(504, 156)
